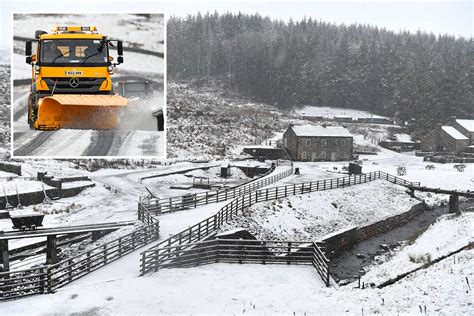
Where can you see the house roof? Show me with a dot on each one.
(467, 124)
(318, 130)
(454, 133)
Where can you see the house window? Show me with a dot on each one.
(323, 155)
(337, 142)
(308, 142)
(303, 155)
(343, 142)
(323, 143)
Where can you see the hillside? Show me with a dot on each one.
(410, 76)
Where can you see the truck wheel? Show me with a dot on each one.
(31, 123)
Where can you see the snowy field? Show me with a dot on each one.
(329, 112)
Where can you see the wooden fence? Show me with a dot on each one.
(47, 279)
(193, 200)
(241, 251)
(210, 225)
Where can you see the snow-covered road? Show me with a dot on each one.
(135, 136)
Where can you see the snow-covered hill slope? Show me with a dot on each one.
(311, 216)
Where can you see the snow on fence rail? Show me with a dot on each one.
(47, 279)
(182, 202)
(210, 225)
(242, 251)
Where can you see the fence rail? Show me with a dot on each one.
(210, 225)
(47, 279)
(241, 251)
(193, 200)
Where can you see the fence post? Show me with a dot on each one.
(42, 281)
(145, 235)
(88, 261)
(105, 254)
(48, 275)
(266, 195)
(241, 252)
(327, 274)
(69, 262)
(288, 253)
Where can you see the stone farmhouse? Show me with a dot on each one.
(318, 143)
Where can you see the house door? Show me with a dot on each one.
(333, 156)
(314, 156)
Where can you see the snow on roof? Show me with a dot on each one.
(318, 130)
(467, 124)
(454, 133)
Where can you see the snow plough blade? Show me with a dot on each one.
(79, 111)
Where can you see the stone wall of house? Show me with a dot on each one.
(290, 142)
(438, 140)
(452, 145)
(325, 148)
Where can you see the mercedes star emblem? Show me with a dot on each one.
(74, 82)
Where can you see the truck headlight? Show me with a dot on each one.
(37, 69)
(111, 69)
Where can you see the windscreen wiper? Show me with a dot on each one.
(86, 58)
(54, 59)
(100, 48)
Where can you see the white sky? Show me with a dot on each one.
(440, 17)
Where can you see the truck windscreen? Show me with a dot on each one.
(62, 52)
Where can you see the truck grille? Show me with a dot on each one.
(84, 85)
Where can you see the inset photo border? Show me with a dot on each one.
(88, 85)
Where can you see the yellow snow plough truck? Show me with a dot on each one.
(71, 85)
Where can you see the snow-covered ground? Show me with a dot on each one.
(444, 176)
(329, 112)
(451, 232)
(311, 216)
(233, 289)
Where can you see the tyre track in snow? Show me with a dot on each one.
(33, 144)
(102, 143)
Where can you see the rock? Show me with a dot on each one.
(384, 247)
(361, 256)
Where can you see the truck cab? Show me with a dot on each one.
(70, 60)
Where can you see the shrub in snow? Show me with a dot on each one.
(420, 258)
